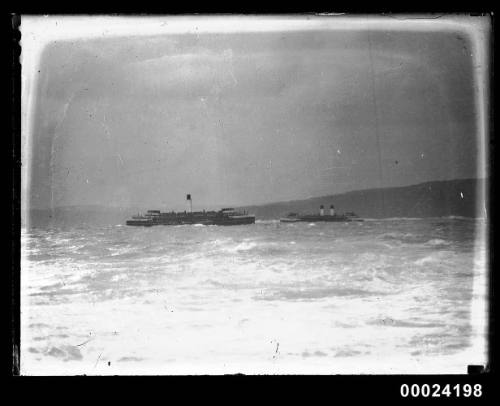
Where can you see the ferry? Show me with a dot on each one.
(321, 216)
(225, 217)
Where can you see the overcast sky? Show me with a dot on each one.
(245, 118)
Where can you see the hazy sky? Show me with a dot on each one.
(244, 118)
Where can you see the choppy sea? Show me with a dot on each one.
(381, 296)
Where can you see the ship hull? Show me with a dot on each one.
(188, 220)
(318, 218)
(138, 223)
(325, 218)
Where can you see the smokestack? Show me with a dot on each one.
(321, 210)
(332, 210)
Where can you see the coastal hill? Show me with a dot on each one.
(430, 199)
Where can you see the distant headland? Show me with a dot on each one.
(430, 199)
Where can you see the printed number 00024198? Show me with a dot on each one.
(436, 391)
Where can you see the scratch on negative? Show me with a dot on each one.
(98, 358)
(85, 342)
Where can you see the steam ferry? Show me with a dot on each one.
(224, 217)
(321, 216)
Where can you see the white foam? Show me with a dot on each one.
(437, 241)
(179, 307)
(243, 246)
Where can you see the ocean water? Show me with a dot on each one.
(382, 296)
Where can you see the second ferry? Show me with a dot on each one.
(321, 216)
